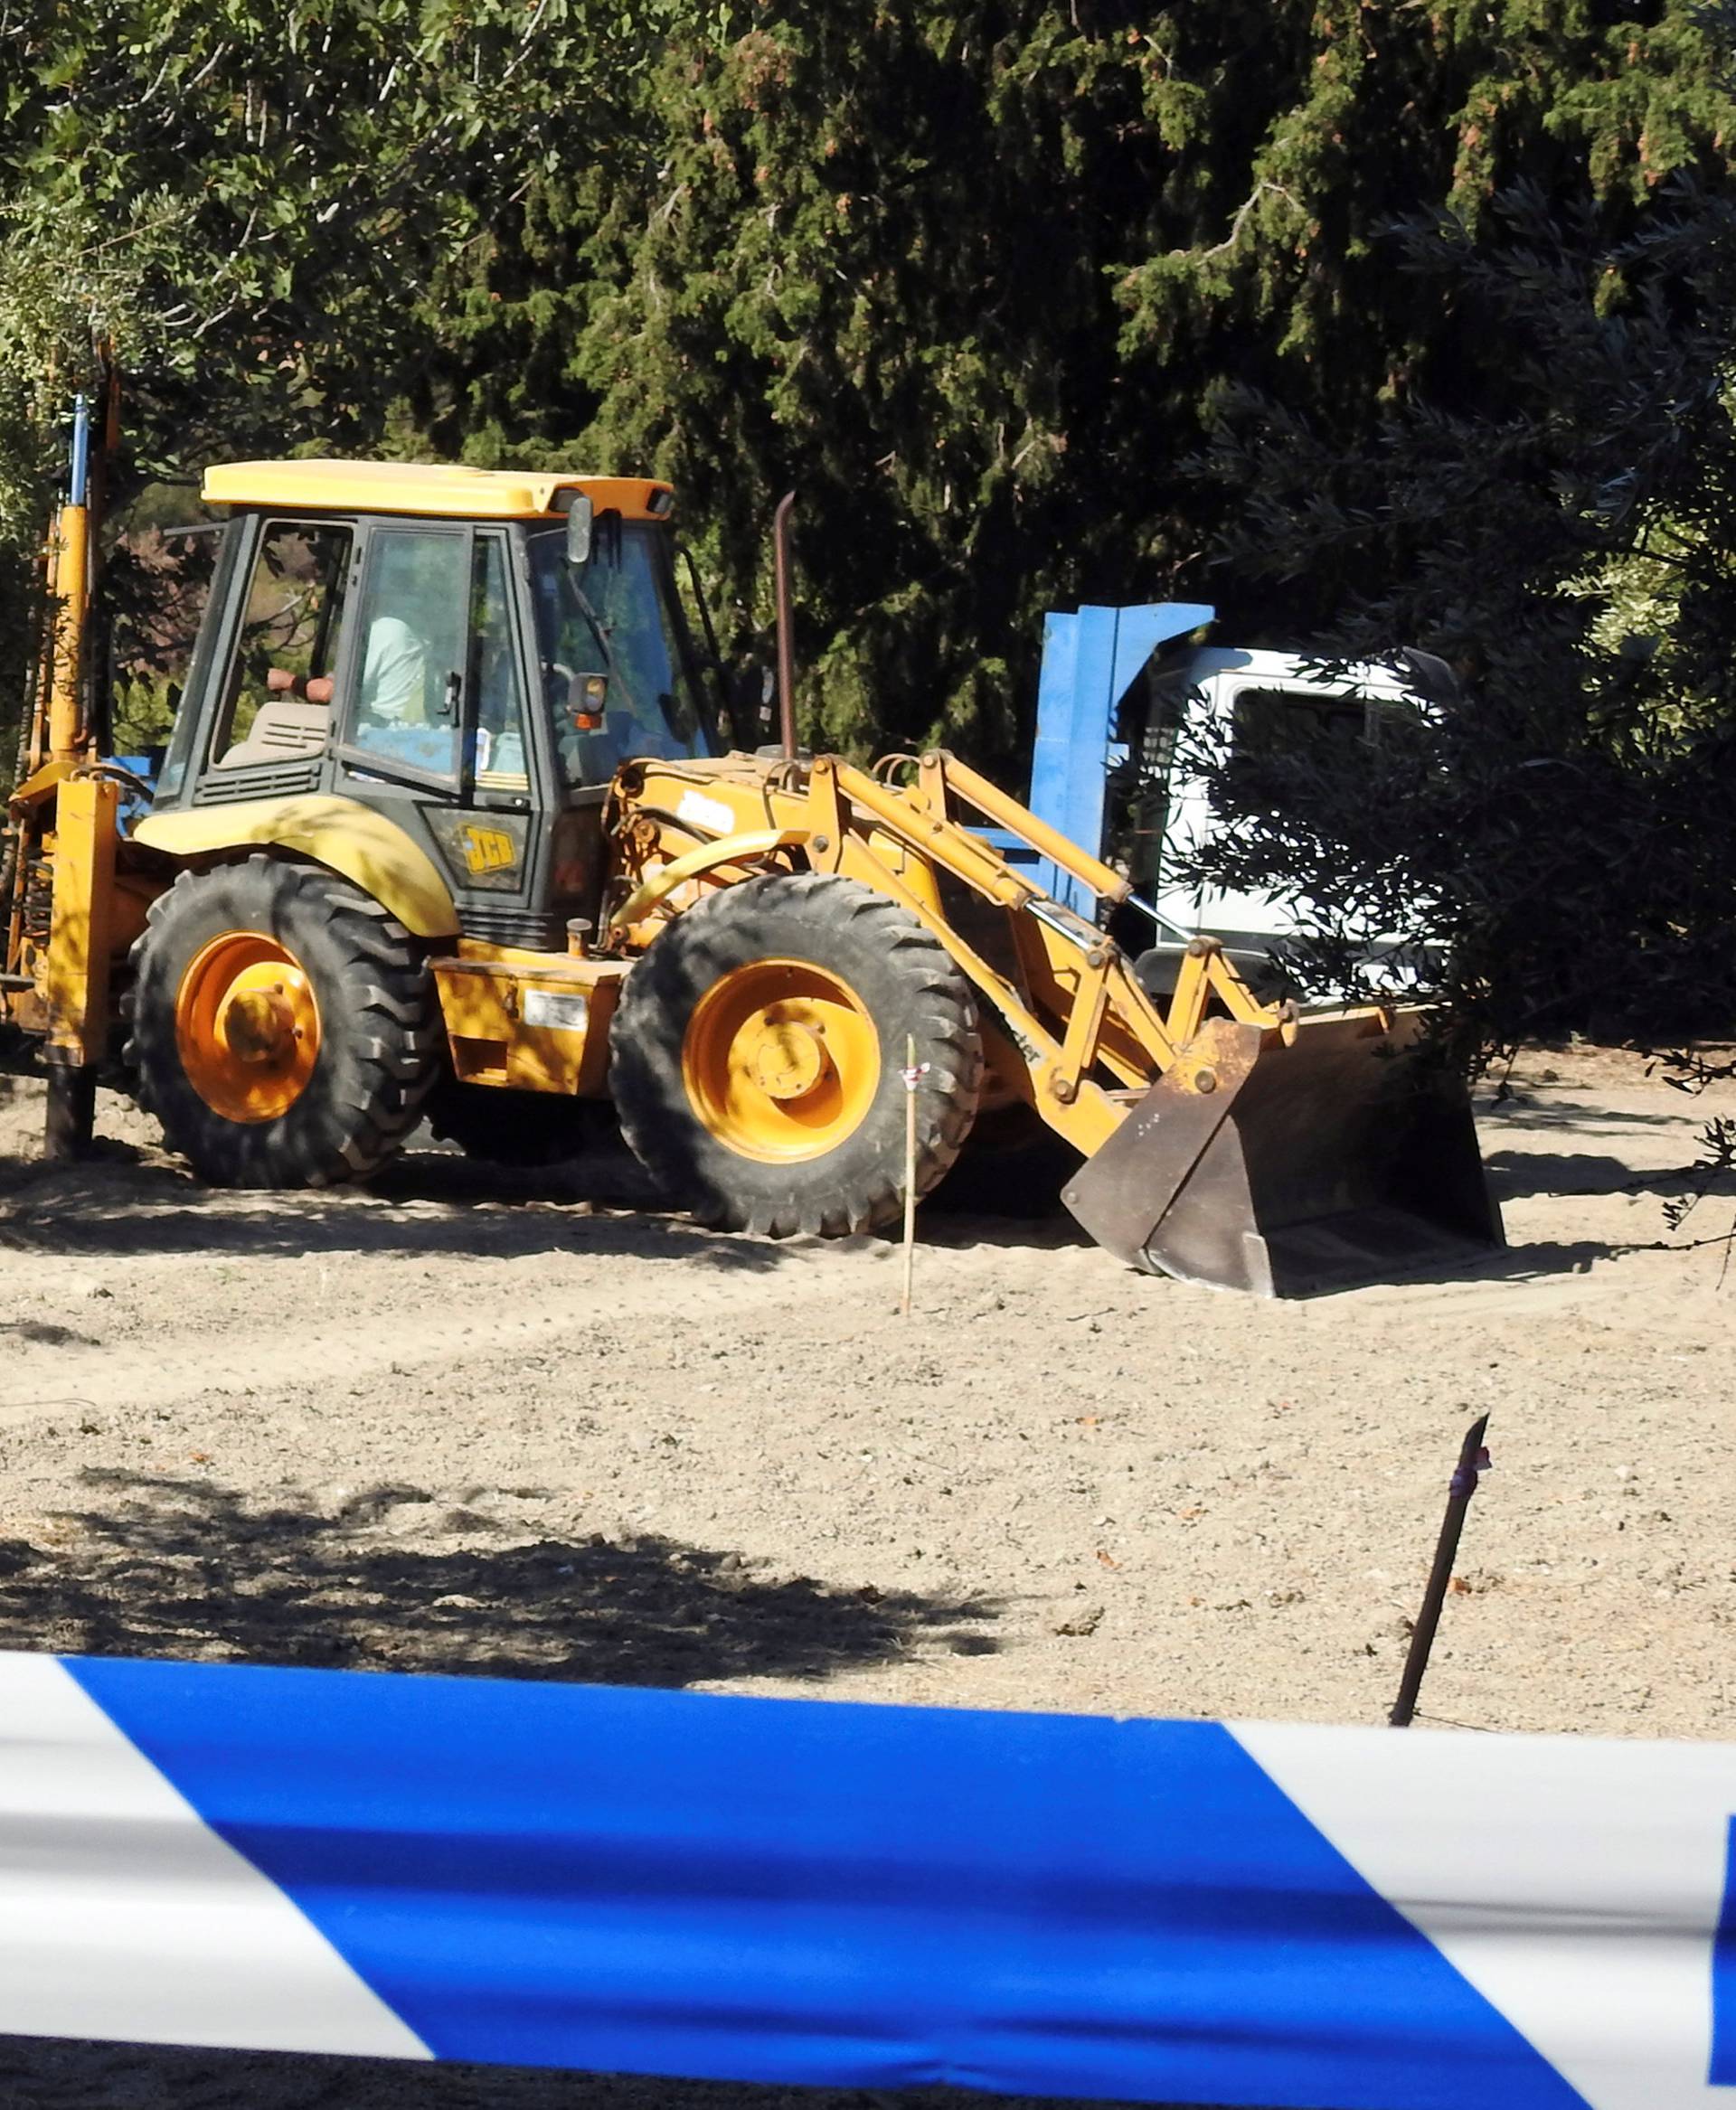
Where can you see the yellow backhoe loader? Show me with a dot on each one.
(446, 829)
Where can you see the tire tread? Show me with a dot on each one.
(392, 1026)
(732, 1192)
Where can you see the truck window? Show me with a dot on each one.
(495, 679)
(1141, 788)
(1277, 725)
(413, 631)
(154, 634)
(174, 645)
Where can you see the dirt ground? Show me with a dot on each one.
(504, 1423)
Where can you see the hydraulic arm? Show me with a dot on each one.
(1224, 1139)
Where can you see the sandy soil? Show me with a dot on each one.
(473, 1421)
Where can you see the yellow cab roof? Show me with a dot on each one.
(425, 488)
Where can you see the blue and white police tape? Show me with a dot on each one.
(707, 1886)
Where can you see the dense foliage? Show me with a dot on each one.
(251, 201)
(974, 278)
(971, 276)
(980, 279)
(1567, 826)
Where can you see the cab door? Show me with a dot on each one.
(433, 725)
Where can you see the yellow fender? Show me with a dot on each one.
(727, 850)
(340, 834)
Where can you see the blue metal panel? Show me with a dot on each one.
(80, 469)
(1090, 661)
(1057, 707)
(1139, 631)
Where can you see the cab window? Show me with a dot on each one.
(496, 679)
(411, 633)
(616, 681)
(1285, 725)
(177, 655)
(279, 687)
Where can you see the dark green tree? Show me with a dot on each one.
(249, 203)
(973, 278)
(1567, 826)
(970, 276)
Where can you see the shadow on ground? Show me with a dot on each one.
(175, 1567)
(126, 1200)
(1585, 1113)
(1516, 1172)
(123, 1200)
(178, 1568)
(120, 1203)
(36, 2074)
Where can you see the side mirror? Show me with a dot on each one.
(1430, 676)
(579, 520)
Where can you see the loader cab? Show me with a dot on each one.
(421, 640)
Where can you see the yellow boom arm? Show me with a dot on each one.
(1202, 1159)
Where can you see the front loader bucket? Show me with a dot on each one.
(1346, 1158)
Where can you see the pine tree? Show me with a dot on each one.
(974, 280)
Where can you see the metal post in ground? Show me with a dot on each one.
(1473, 1461)
(71, 1111)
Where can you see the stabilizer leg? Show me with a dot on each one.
(71, 1121)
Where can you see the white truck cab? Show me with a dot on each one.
(1124, 703)
(1228, 699)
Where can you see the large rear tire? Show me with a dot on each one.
(283, 1029)
(758, 1052)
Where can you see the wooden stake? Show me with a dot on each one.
(911, 1077)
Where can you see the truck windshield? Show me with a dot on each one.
(615, 674)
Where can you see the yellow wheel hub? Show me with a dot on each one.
(781, 1060)
(790, 1058)
(246, 1026)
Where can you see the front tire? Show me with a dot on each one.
(758, 1051)
(284, 1030)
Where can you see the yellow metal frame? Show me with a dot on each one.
(483, 991)
(1083, 1039)
(708, 859)
(424, 487)
(71, 574)
(80, 937)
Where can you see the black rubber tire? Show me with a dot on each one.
(910, 989)
(524, 1129)
(379, 1025)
